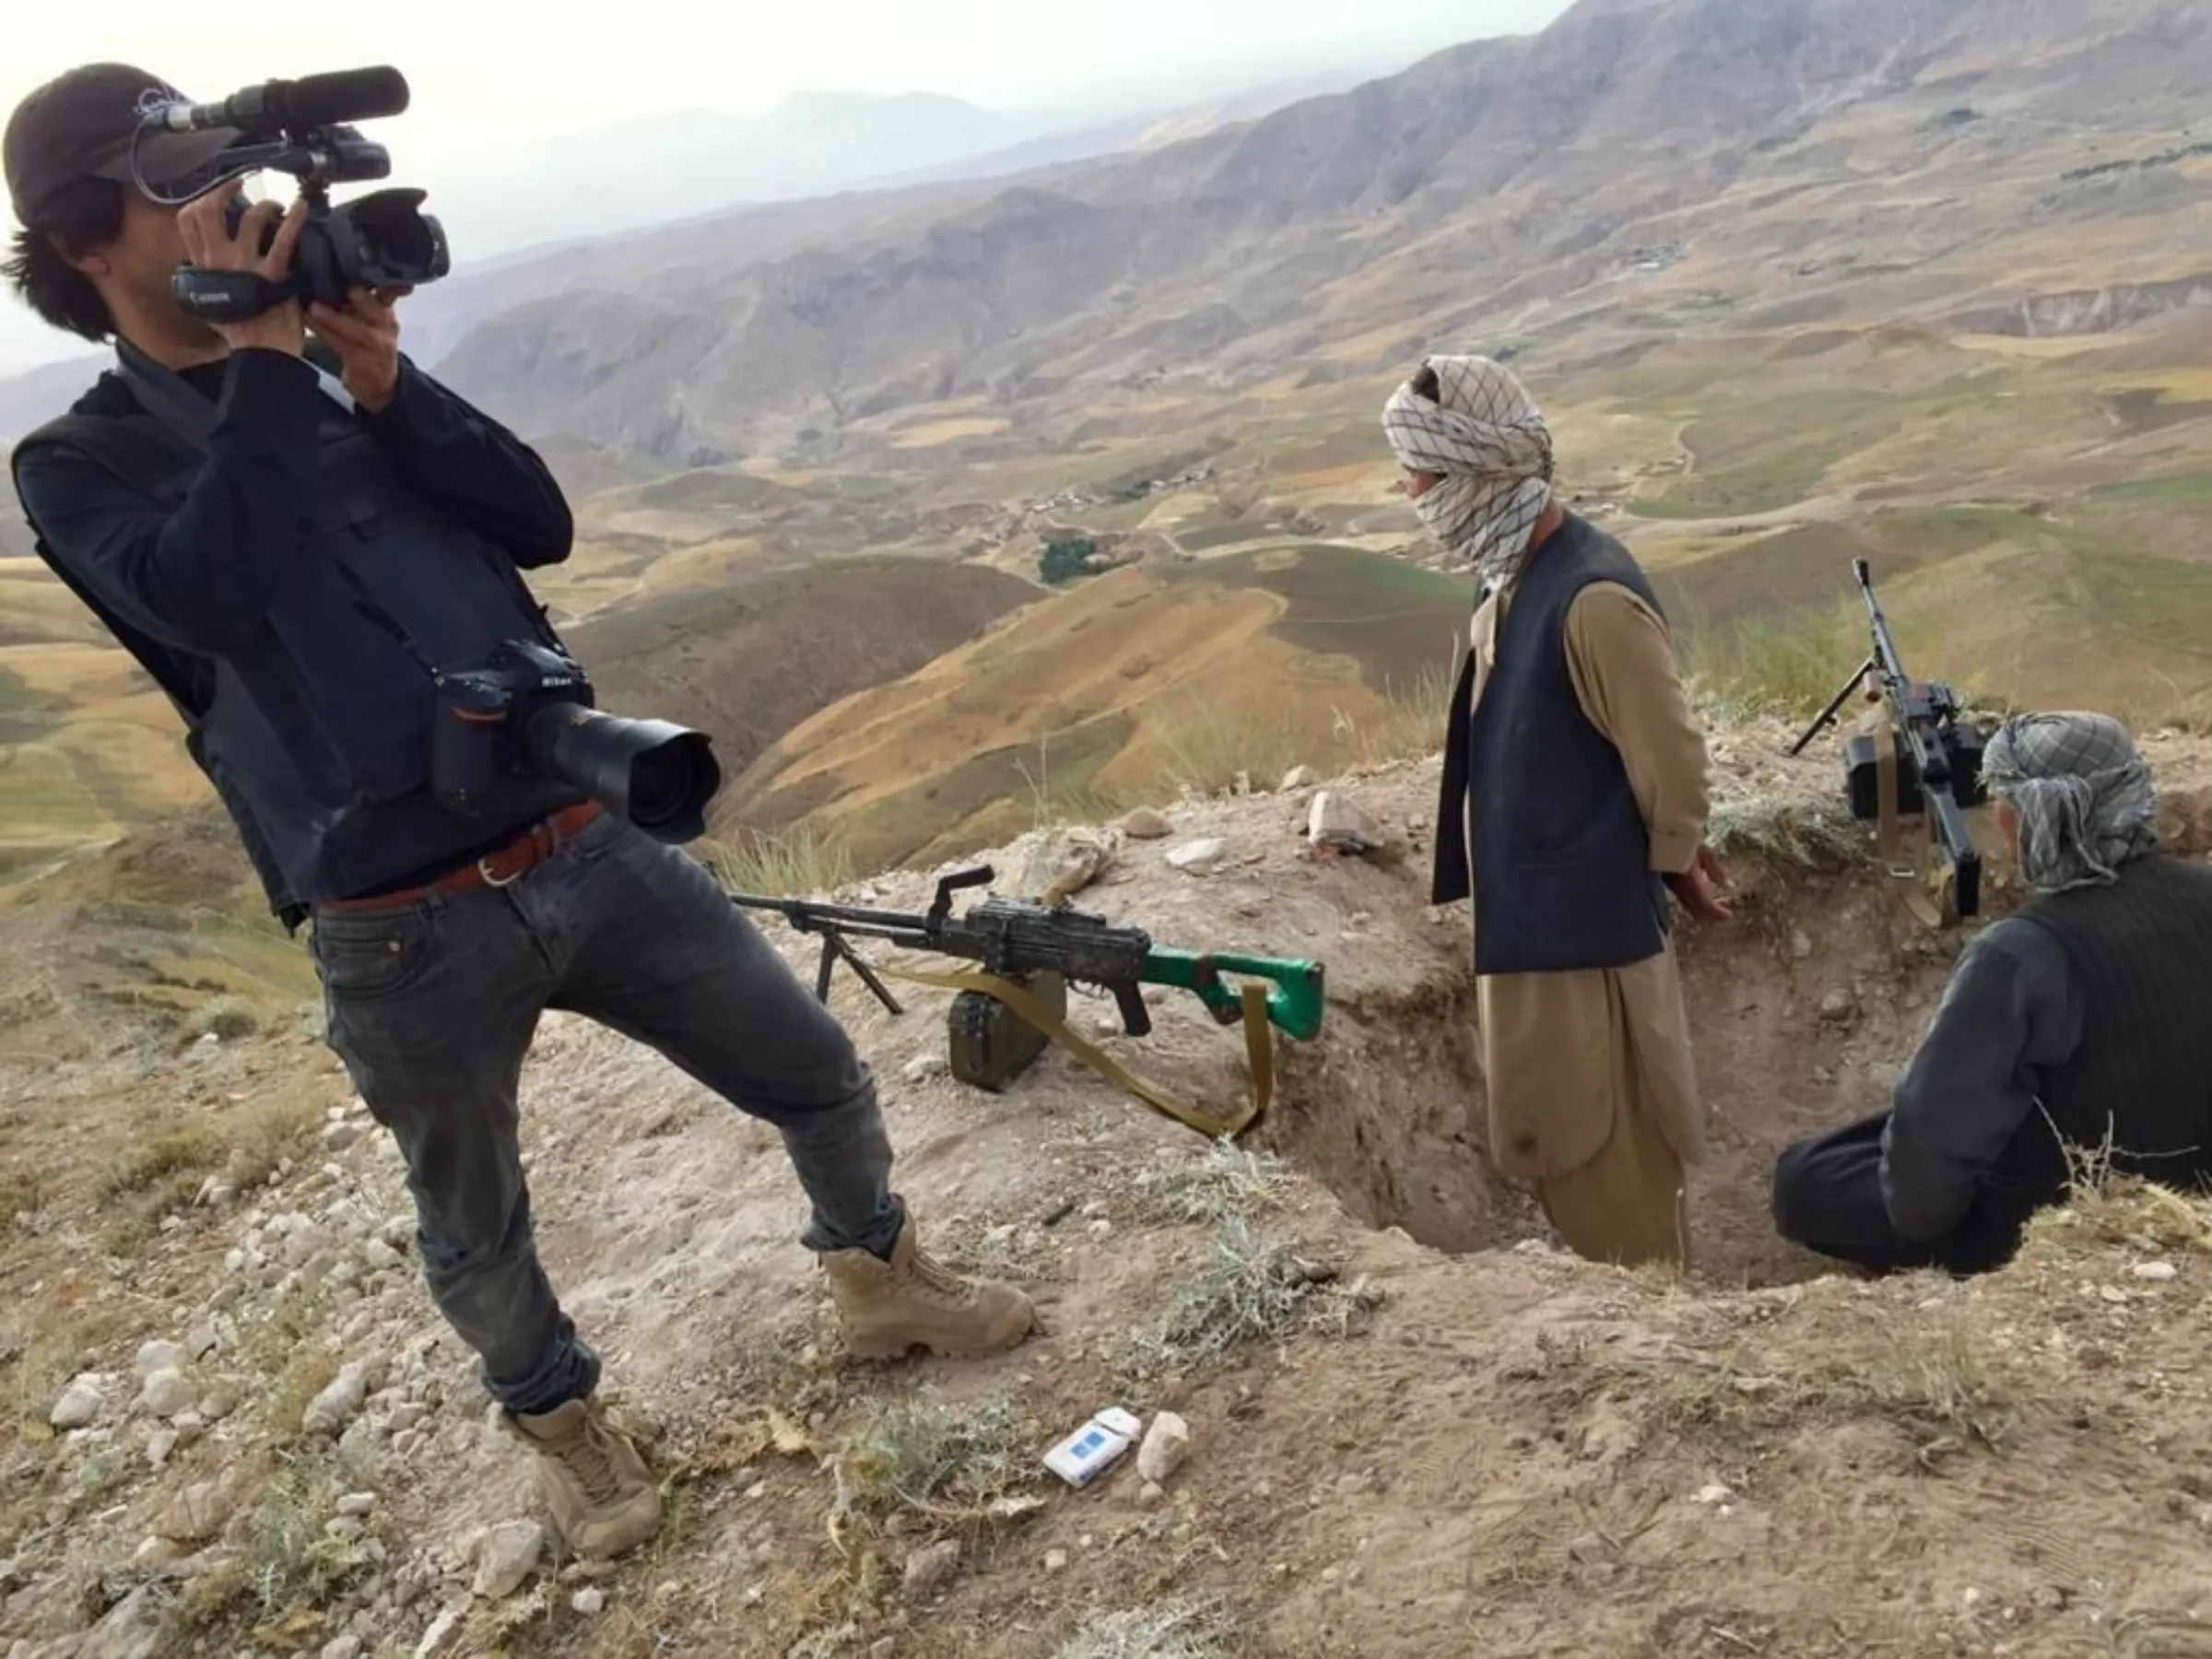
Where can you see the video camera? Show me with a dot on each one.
(302, 127)
(527, 714)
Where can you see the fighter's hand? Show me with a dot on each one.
(365, 335)
(1700, 887)
(209, 245)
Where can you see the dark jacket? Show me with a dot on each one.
(289, 569)
(1563, 855)
(2084, 1016)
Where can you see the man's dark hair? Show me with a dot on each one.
(1425, 385)
(80, 216)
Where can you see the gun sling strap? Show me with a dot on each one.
(1913, 885)
(1258, 1047)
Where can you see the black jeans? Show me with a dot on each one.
(1827, 1198)
(432, 1004)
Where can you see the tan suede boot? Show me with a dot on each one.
(603, 1498)
(911, 1301)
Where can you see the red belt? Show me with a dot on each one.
(503, 863)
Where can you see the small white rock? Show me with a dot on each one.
(2160, 1271)
(506, 1556)
(166, 1394)
(381, 1257)
(196, 1514)
(930, 1566)
(357, 1503)
(347, 1646)
(1166, 1444)
(1337, 820)
(589, 1601)
(330, 1410)
(155, 1357)
(433, 1639)
(79, 1404)
(1197, 857)
(1714, 1493)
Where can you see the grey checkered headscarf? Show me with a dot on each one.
(2082, 793)
(1486, 436)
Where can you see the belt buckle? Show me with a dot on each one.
(536, 844)
(483, 869)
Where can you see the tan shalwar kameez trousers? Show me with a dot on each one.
(1592, 1095)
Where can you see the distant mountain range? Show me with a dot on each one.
(707, 175)
(1486, 179)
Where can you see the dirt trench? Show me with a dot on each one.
(1802, 1008)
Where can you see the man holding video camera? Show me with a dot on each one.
(297, 557)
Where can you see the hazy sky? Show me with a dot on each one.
(488, 75)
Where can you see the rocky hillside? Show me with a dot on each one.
(1408, 1424)
(1484, 182)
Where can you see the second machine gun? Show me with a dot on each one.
(1938, 757)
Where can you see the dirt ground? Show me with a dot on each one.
(1415, 1426)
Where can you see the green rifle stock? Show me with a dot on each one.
(1295, 998)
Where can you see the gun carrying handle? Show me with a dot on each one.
(976, 875)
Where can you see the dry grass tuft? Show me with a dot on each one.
(1251, 1289)
(290, 1564)
(1788, 664)
(1935, 1384)
(181, 1152)
(264, 1137)
(1788, 833)
(938, 1458)
(799, 862)
(1226, 1180)
(1187, 1629)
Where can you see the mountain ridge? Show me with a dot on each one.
(1522, 138)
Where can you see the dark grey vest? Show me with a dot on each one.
(317, 735)
(2141, 951)
(1562, 858)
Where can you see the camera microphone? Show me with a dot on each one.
(314, 100)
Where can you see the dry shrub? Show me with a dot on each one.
(1224, 1181)
(1251, 1289)
(947, 1460)
(1187, 1628)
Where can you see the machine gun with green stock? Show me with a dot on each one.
(1028, 954)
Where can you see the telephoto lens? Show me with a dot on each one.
(658, 775)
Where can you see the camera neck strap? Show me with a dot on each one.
(162, 394)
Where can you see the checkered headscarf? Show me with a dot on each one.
(1489, 439)
(2082, 793)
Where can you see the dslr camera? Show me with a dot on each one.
(527, 716)
(304, 127)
